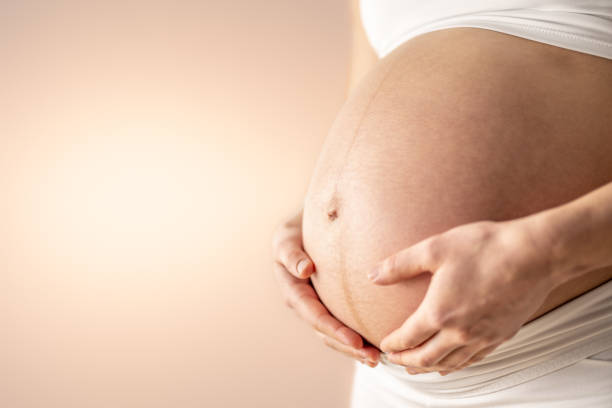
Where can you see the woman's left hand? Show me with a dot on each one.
(488, 279)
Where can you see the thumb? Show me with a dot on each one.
(408, 263)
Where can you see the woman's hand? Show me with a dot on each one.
(292, 268)
(488, 279)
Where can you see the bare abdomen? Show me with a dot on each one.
(453, 127)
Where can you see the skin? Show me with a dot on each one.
(287, 245)
(438, 350)
(292, 269)
(566, 243)
(447, 131)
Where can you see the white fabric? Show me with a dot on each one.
(585, 384)
(563, 358)
(579, 25)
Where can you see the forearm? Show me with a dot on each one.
(578, 234)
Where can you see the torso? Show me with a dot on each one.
(452, 127)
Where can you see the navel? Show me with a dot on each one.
(333, 207)
(332, 214)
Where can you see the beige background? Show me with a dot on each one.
(147, 151)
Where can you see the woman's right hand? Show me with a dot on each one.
(293, 267)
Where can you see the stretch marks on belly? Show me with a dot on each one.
(333, 208)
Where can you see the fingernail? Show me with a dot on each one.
(384, 358)
(301, 266)
(392, 357)
(373, 274)
(345, 338)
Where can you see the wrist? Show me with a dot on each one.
(550, 232)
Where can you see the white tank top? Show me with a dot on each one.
(579, 25)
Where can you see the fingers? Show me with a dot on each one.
(414, 331)
(462, 357)
(367, 355)
(292, 267)
(288, 250)
(455, 360)
(427, 355)
(408, 263)
(295, 260)
(312, 310)
(465, 356)
(479, 356)
(448, 364)
(301, 297)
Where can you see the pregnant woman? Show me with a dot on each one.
(459, 218)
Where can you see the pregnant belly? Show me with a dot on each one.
(453, 127)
